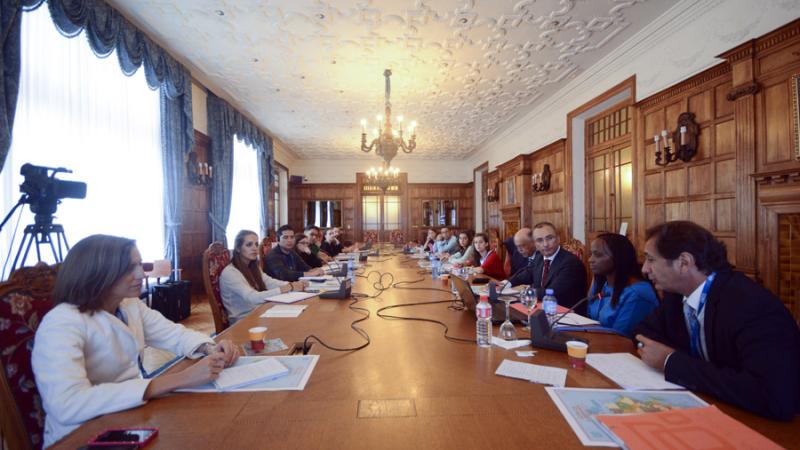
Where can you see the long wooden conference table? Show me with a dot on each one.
(410, 388)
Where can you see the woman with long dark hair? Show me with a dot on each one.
(620, 298)
(242, 284)
(88, 348)
(464, 253)
(486, 260)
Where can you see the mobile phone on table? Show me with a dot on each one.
(123, 438)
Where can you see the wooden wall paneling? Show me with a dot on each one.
(300, 193)
(195, 228)
(550, 206)
(701, 189)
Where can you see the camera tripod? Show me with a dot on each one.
(43, 231)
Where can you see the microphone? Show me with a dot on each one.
(579, 303)
(494, 294)
(543, 335)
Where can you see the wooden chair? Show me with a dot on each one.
(215, 258)
(24, 300)
(371, 236)
(575, 247)
(397, 237)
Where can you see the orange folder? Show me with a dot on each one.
(679, 429)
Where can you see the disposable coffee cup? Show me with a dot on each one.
(257, 338)
(576, 351)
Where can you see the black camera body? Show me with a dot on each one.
(43, 192)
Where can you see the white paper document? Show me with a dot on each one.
(525, 353)
(484, 289)
(300, 369)
(318, 277)
(628, 371)
(553, 376)
(290, 297)
(285, 311)
(240, 376)
(509, 345)
(572, 319)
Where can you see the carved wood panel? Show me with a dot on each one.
(195, 228)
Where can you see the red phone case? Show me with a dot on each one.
(95, 442)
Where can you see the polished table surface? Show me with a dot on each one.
(410, 388)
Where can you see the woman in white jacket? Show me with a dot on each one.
(87, 351)
(243, 285)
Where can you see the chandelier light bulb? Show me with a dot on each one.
(379, 118)
(400, 119)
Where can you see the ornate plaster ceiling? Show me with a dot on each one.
(309, 70)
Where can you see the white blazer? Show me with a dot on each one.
(239, 297)
(86, 365)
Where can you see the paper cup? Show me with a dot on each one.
(576, 351)
(257, 338)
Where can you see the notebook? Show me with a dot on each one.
(239, 376)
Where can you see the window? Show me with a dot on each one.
(391, 212)
(371, 212)
(245, 196)
(81, 112)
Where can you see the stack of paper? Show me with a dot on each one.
(629, 371)
(240, 376)
(484, 289)
(284, 311)
(572, 319)
(537, 374)
(290, 297)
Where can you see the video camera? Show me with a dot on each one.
(43, 192)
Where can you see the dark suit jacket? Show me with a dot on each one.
(517, 260)
(567, 278)
(753, 345)
(283, 266)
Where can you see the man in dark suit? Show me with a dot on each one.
(283, 263)
(521, 249)
(716, 331)
(554, 268)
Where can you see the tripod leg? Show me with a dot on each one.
(38, 243)
(28, 235)
(53, 248)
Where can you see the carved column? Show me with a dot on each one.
(745, 88)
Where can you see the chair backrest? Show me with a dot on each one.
(215, 258)
(24, 300)
(397, 237)
(370, 236)
(575, 247)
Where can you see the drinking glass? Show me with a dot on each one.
(507, 330)
(529, 300)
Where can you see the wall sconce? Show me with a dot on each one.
(493, 193)
(199, 173)
(685, 134)
(540, 182)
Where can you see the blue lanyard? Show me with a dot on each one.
(694, 321)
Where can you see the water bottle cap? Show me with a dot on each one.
(549, 292)
(484, 298)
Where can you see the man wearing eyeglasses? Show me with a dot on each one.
(554, 268)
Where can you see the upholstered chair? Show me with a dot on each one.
(215, 258)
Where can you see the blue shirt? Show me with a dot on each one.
(448, 246)
(635, 303)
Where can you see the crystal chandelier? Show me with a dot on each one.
(383, 177)
(387, 141)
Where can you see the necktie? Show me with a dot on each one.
(545, 272)
(694, 330)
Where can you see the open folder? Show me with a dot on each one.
(239, 376)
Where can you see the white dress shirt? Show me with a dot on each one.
(239, 297)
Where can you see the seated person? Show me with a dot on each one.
(430, 241)
(486, 260)
(242, 284)
(314, 235)
(717, 331)
(554, 268)
(521, 249)
(464, 253)
(446, 244)
(348, 247)
(284, 263)
(87, 350)
(303, 248)
(619, 298)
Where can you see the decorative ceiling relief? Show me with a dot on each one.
(309, 70)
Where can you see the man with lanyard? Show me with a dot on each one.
(717, 331)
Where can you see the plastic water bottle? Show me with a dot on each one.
(351, 269)
(483, 327)
(453, 289)
(434, 267)
(550, 306)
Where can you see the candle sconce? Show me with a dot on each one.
(540, 182)
(493, 193)
(199, 173)
(685, 134)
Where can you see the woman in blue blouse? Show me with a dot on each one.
(620, 298)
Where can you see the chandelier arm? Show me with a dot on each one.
(367, 149)
(412, 144)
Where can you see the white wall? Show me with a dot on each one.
(419, 170)
(199, 110)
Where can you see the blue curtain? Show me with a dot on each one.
(10, 20)
(224, 123)
(106, 31)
